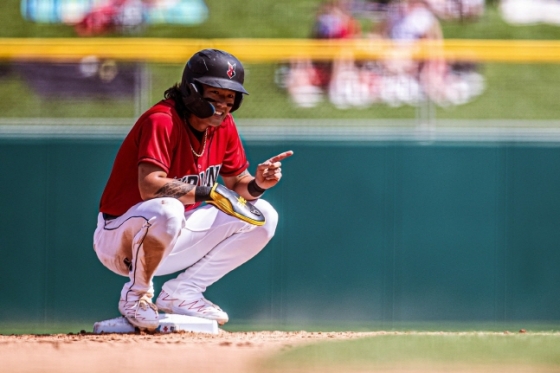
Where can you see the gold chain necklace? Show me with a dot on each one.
(203, 145)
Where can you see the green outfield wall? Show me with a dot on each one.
(370, 231)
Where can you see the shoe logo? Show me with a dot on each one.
(192, 306)
(166, 297)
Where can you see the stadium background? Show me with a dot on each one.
(393, 213)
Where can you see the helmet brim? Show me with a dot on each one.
(222, 83)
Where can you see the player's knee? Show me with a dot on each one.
(169, 213)
(168, 208)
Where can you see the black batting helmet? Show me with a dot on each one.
(217, 69)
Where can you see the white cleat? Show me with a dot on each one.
(197, 307)
(141, 313)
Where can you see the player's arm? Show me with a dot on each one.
(244, 185)
(267, 175)
(154, 183)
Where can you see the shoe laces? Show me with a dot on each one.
(145, 302)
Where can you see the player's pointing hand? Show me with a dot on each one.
(269, 172)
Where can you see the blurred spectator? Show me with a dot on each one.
(409, 81)
(408, 21)
(97, 17)
(396, 80)
(354, 83)
(369, 9)
(114, 16)
(334, 21)
(457, 9)
(306, 80)
(303, 83)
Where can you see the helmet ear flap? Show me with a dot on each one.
(237, 102)
(194, 101)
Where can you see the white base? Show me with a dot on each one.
(168, 323)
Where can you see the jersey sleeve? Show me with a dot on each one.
(156, 141)
(235, 160)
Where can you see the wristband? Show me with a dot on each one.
(254, 189)
(202, 193)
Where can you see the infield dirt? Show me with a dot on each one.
(231, 352)
(177, 352)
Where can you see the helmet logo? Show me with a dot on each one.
(231, 70)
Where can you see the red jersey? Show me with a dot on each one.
(161, 137)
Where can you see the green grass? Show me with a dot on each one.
(21, 328)
(13, 24)
(492, 26)
(14, 104)
(513, 91)
(390, 351)
(238, 325)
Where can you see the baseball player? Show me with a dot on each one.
(153, 220)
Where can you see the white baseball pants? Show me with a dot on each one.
(156, 237)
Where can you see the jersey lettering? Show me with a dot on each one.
(205, 178)
(210, 176)
(190, 179)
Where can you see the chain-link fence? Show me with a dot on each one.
(520, 93)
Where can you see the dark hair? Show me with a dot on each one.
(174, 93)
